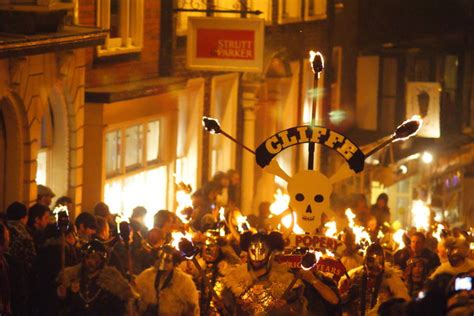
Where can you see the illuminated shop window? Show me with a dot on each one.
(124, 18)
(113, 141)
(133, 147)
(153, 141)
(134, 178)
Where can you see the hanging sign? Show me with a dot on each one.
(423, 99)
(225, 44)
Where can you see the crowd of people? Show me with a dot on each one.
(101, 266)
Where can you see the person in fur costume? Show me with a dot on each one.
(91, 288)
(372, 284)
(262, 287)
(165, 289)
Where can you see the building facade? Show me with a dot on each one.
(42, 82)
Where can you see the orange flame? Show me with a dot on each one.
(279, 206)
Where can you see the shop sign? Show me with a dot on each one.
(423, 99)
(316, 242)
(225, 44)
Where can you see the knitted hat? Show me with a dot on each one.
(16, 211)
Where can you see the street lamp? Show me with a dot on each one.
(427, 157)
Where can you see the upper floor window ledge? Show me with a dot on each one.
(124, 20)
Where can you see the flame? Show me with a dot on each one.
(413, 118)
(380, 235)
(420, 215)
(184, 201)
(331, 229)
(398, 238)
(58, 209)
(439, 229)
(221, 214)
(119, 218)
(177, 236)
(362, 237)
(279, 206)
(241, 222)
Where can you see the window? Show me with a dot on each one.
(43, 160)
(124, 18)
(113, 141)
(135, 175)
(153, 141)
(388, 94)
(315, 9)
(290, 11)
(133, 147)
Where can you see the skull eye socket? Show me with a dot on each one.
(318, 198)
(299, 197)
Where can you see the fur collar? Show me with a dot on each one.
(109, 279)
(181, 296)
(392, 280)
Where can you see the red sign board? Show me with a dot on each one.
(225, 44)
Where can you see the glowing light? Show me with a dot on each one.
(58, 209)
(141, 189)
(184, 201)
(279, 206)
(398, 238)
(380, 235)
(362, 237)
(241, 222)
(177, 236)
(437, 233)
(405, 130)
(316, 60)
(403, 169)
(420, 215)
(118, 218)
(331, 229)
(427, 157)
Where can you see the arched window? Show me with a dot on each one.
(45, 139)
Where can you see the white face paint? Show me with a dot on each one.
(309, 192)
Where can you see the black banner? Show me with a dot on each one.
(310, 134)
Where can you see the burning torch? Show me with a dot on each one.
(308, 262)
(62, 223)
(317, 65)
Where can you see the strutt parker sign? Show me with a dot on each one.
(229, 44)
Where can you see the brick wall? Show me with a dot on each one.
(127, 67)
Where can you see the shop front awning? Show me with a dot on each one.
(135, 89)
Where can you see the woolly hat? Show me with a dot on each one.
(16, 211)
